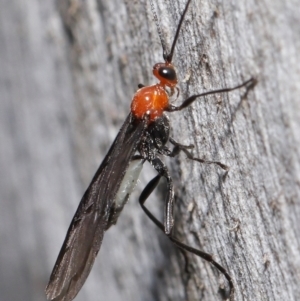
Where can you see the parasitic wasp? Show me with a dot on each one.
(143, 137)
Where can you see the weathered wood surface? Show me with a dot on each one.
(68, 72)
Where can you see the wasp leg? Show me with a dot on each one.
(162, 170)
(249, 84)
(185, 148)
(208, 257)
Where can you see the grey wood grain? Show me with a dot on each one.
(68, 72)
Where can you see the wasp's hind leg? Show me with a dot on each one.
(183, 247)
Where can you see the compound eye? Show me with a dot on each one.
(167, 73)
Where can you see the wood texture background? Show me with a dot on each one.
(68, 70)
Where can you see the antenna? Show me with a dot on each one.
(168, 57)
(162, 41)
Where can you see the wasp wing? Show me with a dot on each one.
(85, 234)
